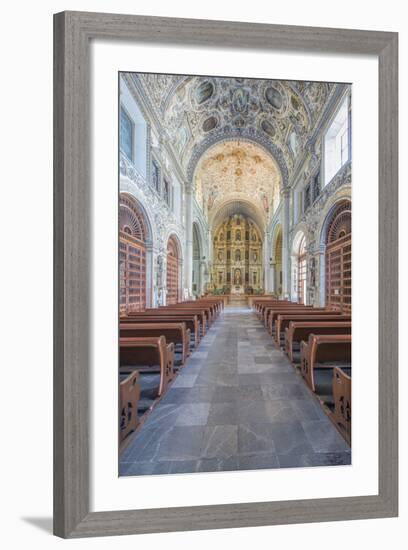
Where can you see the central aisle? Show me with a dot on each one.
(237, 404)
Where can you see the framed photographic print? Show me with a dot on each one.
(225, 226)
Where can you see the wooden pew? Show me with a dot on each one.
(251, 299)
(297, 331)
(210, 310)
(341, 408)
(129, 395)
(200, 312)
(216, 302)
(282, 321)
(265, 310)
(173, 332)
(261, 306)
(192, 321)
(320, 355)
(153, 358)
(271, 314)
(257, 303)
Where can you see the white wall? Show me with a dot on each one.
(26, 121)
(140, 129)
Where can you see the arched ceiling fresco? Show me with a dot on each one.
(198, 112)
(240, 172)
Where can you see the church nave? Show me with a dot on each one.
(235, 273)
(237, 404)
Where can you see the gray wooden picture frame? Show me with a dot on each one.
(72, 205)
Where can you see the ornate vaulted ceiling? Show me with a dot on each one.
(204, 118)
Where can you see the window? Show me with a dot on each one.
(126, 134)
(306, 197)
(156, 176)
(336, 142)
(166, 191)
(315, 186)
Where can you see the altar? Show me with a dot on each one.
(237, 289)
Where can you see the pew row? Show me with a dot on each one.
(299, 331)
(272, 315)
(282, 322)
(153, 358)
(320, 355)
(191, 321)
(173, 332)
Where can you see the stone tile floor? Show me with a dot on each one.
(238, 404)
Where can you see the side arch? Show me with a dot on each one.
(336, 236)
(134, 255)
(174, 261)
(276, 264)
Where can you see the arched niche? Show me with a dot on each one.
(135, 255)
(336, 236)
(173, 270)
(276, 264)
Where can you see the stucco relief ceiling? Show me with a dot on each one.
(192, 108)
(197, 112)
(239, 171)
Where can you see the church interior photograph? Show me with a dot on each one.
(234, 251)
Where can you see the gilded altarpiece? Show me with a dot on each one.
(237, 257)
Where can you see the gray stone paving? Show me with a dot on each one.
(238, 404)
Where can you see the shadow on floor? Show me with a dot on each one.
(43, 523)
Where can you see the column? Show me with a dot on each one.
(266, 262)
(285, 197)
(202, 277)
(321, 276)
(188, 260)
(273, 285)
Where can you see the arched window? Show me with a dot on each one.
(338, 258)
(172, 272)
(302, 271)
(132, 256)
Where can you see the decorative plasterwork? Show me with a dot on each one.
(314, 217)
(241, 172)
(278, 114)
(159, 215)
